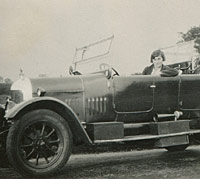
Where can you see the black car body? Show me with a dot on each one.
(46, 116)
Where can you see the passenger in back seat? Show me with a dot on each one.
(158, 68)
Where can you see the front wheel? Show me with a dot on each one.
(4, 163)
(3, 159)
(39, 143)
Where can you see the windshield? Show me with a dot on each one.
(87, 59)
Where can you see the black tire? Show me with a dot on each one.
(39, 143)
(177, 148)
(4, 163)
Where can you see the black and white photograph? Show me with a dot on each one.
(100, 89)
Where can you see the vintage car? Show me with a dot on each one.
(44, 117)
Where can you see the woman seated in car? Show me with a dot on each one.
(157, 67)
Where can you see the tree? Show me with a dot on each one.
(192, 34)
(1, 79)
(8, 80)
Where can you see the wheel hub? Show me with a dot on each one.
(39, 144)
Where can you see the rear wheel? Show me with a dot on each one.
(177, 148)
(3, 156)
(39, 143)
(3, 159)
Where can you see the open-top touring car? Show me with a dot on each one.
(42, 118)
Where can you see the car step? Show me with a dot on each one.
(136, 128)
(147, 136)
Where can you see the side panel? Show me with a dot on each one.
(190, 93)
(138, 98)
(68, 90)
(98, 98)
(133, 94)
(75, 101)
(166, 94)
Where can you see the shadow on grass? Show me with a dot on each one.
(113, 147)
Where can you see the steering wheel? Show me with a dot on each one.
(105, 66)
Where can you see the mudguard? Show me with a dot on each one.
(22, 107)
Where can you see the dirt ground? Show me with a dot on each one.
(144, 164)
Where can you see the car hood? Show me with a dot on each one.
(68, 84)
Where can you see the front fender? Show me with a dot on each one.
(11, 113)
(53, 104)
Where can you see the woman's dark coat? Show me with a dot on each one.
(165, 71)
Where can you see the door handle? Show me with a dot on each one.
(152, 86)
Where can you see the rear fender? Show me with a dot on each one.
(55, 105)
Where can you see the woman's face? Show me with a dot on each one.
(158, 61)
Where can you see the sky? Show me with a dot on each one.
(40, 36)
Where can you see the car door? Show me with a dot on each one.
(190, 92)
(166, 94)
(133, 94)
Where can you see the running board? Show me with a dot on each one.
(148, 136)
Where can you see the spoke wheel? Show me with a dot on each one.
(39, 144)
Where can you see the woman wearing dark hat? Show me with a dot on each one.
(157, 67)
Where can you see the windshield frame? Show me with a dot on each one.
(80, 58)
